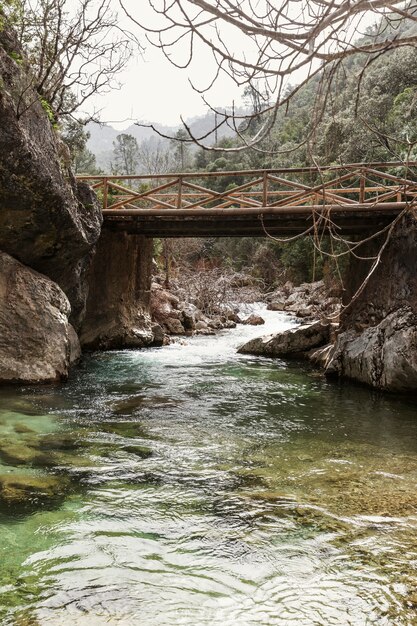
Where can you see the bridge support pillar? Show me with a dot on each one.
(117, 313)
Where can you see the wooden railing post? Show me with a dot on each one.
(362, 188)
(265, 189)
(105, 192)
(179, 197)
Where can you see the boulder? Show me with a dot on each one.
(48, 220)
(200, 325)
(174, 326)
(164, 309)
(202, 328)
(254, 320)
(383, 356)
(188, 317)
(276, 305)
(158, 335)
(215, 323)
(232, 316)
(308, 300)
(294, 342)
(37, 342)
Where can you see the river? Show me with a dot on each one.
(198, 487)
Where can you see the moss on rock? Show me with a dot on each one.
(22, 492)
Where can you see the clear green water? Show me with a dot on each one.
(205, 489)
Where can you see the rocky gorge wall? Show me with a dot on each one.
(377, 339)
(60, 277)
(48, 220)
(49, 225)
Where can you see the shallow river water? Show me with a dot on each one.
(188, 485)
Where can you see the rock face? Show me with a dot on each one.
(48, 221)
(294, 342)
(118, 303)
(383, 356)
(37, 343)
(377, 343)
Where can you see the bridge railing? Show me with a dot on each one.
(353, 186)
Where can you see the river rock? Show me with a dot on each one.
(292, 342)
(174, 326)
(215, 323)
(158, 334)
(232, 316)
(27, 492)
(202, 328)
(254, 320)
(37, 342)
(383, 356)
(17, 453)
(309, 300)
(48, 220)
(276, 305)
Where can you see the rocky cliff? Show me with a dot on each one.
(377, 340)
(49, 223)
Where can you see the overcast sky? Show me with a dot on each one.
(154, 90)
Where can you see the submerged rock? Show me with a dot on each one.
(28, 492)
(293, 342)
(23, 429)
(17, 453)
(141, 451)
(37, 342)
(59, 441)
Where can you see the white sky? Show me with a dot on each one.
(153, 89)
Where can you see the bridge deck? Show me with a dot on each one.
(355, 198)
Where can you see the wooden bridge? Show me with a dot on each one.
(350, 199)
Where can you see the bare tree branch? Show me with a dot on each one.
(265, 44)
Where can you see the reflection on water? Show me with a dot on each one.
(190, 485)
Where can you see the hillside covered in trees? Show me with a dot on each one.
(353, 116)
